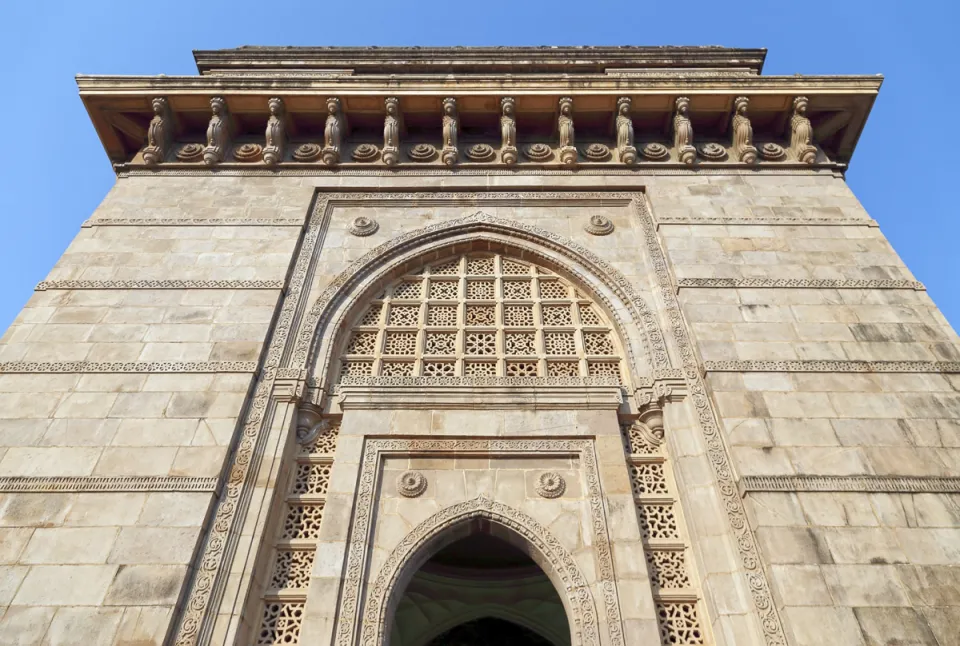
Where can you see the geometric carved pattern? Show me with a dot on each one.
(311, 478)
(648, 479)
(658, 520)
(481, 305)
(679, 623)
(281, 623)
(302, 521)
(668, 569)
(292, 569)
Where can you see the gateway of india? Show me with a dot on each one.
(561, 346)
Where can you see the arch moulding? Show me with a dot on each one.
(428, 537)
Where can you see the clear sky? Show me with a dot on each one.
(53, 171)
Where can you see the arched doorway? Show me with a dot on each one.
(480, 589)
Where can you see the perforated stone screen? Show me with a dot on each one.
(482, 315)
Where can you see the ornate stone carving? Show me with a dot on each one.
(309, 152)
(801, 133)
(422, 153)
(773, 152)
(568, 150)
(683, 132)
(626, 151)
(142, 367)
(159, 133)
(276, 134)
(365, 153)
(451, 129)
(193, 222)
(410, 484)
(538, 152)
(363, 226)
(190, 153)
(219, 132)
(481, 153)
(800, 283)
(813, 365)
(333, 130)
(775, 221)
(596, 152)
(508, 131)
(868, 484)
(655, 151)
(391, 132)
(551, 485)
(599, 225)
(248, 152)
(743, 147)
(83, 484)
(310, 425)
(713, 152)
(158, 284)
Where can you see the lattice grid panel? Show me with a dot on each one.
(521, 319)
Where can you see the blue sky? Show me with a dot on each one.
(53, 171)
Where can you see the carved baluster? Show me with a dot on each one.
(625, 148)
(743, 146)
(801, 133)
(451, 128)
(391, 132)
(333, 131)
(218, 132)
(276, 136)
(159, 133)
(683, 132)
(508, 131)
(568, 151)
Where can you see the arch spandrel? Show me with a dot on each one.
(634, 323)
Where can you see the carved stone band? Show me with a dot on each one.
(192, 222)
(942, 367)
(81, 484)
(868, 484)
(158, 284)
(799, 283)
(411, 484)
(551, 485)
(104, 367)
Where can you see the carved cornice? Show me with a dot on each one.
(866, 484)
(434, 393)
(798, 283)
(762, 221)
(84, 484)
(943, 367)
(291, 169)
(158, 284)
(106, 367)
(197, 222)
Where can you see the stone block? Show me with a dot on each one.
(11, 576)
(864, 585)
(175, 509)
(24, 625)
(818, 625)
(88, 626)
(52, 461)
(146, 585)
(65, 585)
(69, 545)
(105, 509)
(901, 626)
(162, 545)
(143, 626)
(139, 461)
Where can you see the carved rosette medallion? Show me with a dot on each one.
(538, 152)
(365, 153)
(713, 152)
(307, 153)
(655, 152)
(190, 153)
(480, 153)
(599, 225)
(422, 153)
(773, 152)
(411, 484)
(551, 485)
(248, 152)
(596, 152)
(363, 226)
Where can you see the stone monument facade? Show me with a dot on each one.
(570, 346)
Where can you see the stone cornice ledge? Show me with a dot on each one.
(438, 397)
(866, 484)
(83, 484)
(943, 367)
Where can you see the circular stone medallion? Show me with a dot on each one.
(551, 485)
(411, 484)
(363, 226)
(599, 225)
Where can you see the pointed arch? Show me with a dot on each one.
(608, 286)
(455, 522)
